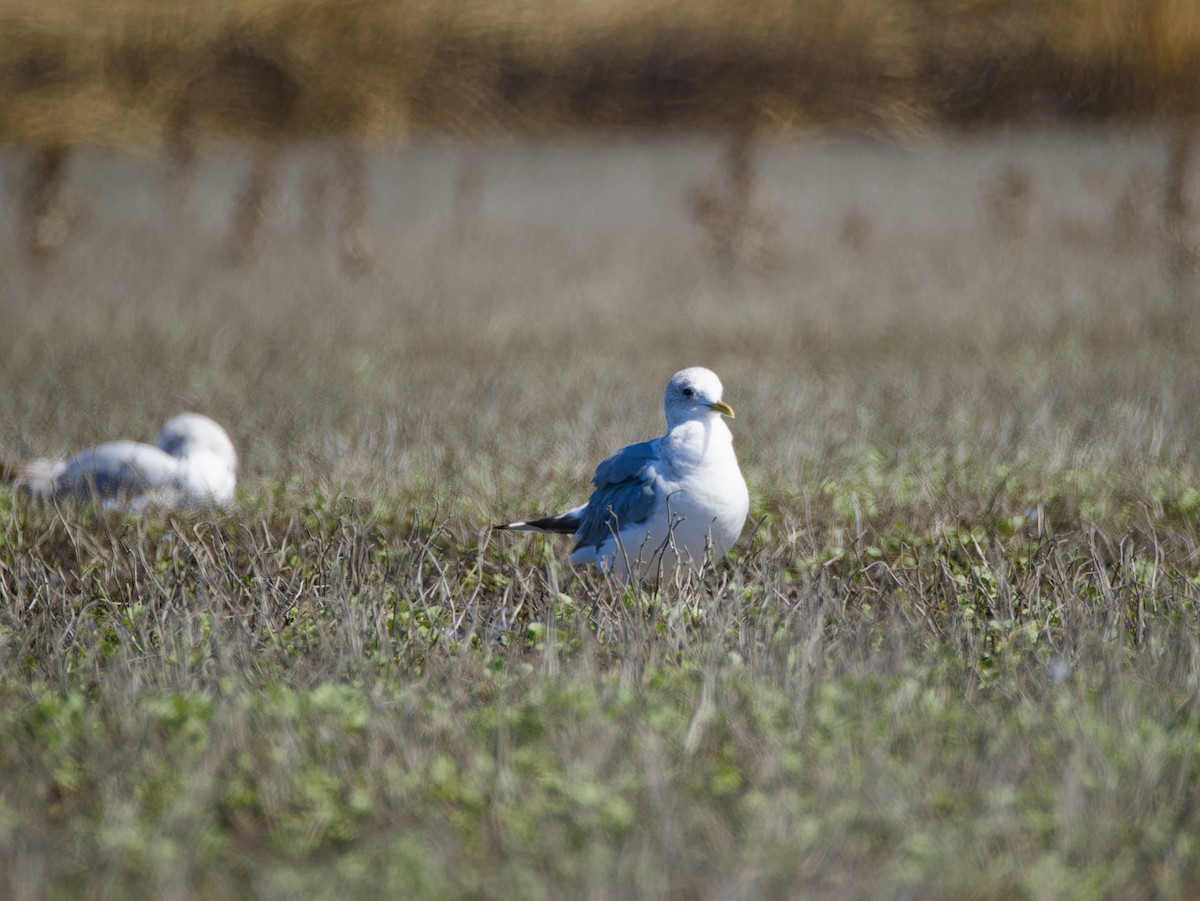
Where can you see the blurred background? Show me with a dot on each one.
(181, 80)
(300, 215)
(139, 73)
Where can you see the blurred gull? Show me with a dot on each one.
(192, 463)
(678, 500)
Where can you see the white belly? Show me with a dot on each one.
(688, 528)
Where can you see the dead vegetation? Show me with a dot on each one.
(1177, 207)
(46, 211)
(137, 73)
(270, 73)
(1008, 200)
(741, 230)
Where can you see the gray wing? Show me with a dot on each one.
(115, 468)
(624, 495)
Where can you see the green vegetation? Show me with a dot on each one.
(366, 704)
(956, 654)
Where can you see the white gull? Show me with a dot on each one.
(677, 501)
(192, 462)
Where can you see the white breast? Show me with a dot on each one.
(702, 505)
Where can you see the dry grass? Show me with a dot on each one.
(956, 653)
(136, 72)
(1177, 209)
(740, 230)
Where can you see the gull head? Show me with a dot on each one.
(694, 393)
(189, 434)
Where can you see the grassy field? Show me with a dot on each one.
(956, 653)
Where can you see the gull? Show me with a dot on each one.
(192, 463)
(677, 501)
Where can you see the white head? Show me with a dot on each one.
(694, 393)
(189, 434)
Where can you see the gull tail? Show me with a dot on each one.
(568, 523)
(36, 477)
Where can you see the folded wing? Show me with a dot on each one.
(115, 469)
(625, 492)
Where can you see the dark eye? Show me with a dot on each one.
(688, 392)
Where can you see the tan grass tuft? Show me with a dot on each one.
(1007, 200)
(250, 207)
(48, 216)
(358, 248)
(468, 193)
(1130, 226)
(1177, 207)
(855, 230)
(740, 232)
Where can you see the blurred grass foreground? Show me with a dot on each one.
(148, 73)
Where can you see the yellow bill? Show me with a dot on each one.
(722, 407)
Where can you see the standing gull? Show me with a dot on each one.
(192, 462)
(678, 500)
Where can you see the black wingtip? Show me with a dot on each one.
(562, 523)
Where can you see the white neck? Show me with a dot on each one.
(700, 441)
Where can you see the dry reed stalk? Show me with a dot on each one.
(1177, 207)
(358, 248)
(855, 231)
(47, 220)
(1129, 213)
(250, 209)
(741, 233)
(468, 193)
(316, 199)
(1007, 200)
